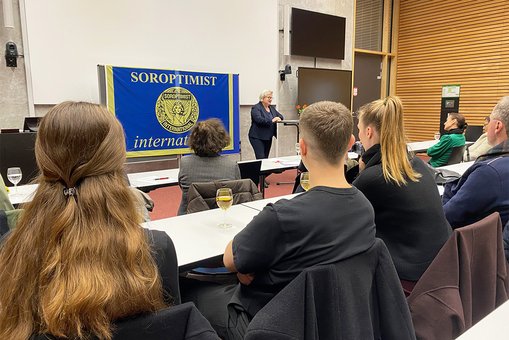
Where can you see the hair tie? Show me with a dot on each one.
(68, 192)
(385, 100)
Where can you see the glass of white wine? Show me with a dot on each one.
(224, 200)
(304, 180)
(14, 176)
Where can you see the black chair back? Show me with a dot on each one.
(473, 133)
(177, 322)
(456, 155)
(251, 170)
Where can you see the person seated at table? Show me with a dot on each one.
(481, 145)
(484, 187)
(207, 140)
(408, 211)
(454, 127)
(330, 222)
(78, 259)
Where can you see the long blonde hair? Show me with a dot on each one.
(76, 263)
(386, 117)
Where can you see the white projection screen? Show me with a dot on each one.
(67, 39)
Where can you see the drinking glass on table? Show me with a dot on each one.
(436, 135)
(224, 200)
(304, 180)
(14, 176)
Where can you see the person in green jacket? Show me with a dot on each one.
(454, 127)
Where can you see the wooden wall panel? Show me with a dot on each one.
(451, 42)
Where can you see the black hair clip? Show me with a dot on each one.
(68, 192)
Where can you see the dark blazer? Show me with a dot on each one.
(467, 280)
(357, 298)
(262, 126)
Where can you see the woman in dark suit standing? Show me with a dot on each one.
(263, 125)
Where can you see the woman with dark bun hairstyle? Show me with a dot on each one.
(454, 127)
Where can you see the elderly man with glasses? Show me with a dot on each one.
(484, 187)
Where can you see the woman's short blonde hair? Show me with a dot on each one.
(265, 93)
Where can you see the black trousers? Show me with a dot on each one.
(261, 147)
(211, 299)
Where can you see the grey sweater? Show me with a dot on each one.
(204, 169)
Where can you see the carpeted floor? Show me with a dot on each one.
(167, 200)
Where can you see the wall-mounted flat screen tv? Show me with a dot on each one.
(316, 84)
(317, 35)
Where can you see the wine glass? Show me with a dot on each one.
(304, 180)
(14, 176)
(297, 148)
(224, 200)
(436, 135)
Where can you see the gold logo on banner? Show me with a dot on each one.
(177, 109)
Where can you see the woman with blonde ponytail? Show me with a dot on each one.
(408, 211)
(78, 259)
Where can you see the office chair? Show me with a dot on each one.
(456, 155)
(251, 170)
(177, 322)
(467, 280)
(357, 298)
(202, 196)
(473, 132)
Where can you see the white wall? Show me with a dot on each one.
(220, 36)
(13, 90)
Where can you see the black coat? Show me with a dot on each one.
(357, 298)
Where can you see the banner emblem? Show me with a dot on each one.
(177, 109)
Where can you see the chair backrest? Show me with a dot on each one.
(473, 132)
(251, 170)
(176, 323)
(202, 196)
(357, 298)
(456, 155)
(466, 281)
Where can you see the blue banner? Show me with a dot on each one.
(158, 108)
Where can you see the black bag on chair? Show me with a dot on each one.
(443, 176)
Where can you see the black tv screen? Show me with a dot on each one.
(317, 35)
(315, 84)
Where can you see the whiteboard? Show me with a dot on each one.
(67, 39)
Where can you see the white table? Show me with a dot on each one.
(260, 204)
(198, 238)
(288, 162)
(270, 165)
(150, 180)
(145, 181)
(419, 147)
(22, 193)
(460, 168)
(494, 326)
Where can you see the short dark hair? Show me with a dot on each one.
(208, 138)
(328, 127)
